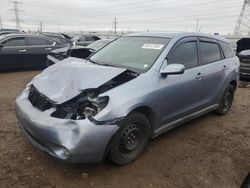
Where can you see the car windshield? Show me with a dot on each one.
(134, 53)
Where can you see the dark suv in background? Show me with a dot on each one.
(243, 53)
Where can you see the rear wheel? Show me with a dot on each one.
(226, 101)
(130, 140)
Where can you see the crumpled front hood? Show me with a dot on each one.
(66, 80)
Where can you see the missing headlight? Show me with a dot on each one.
(81, 107)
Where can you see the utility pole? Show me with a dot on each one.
(243, 23)
(197, 25)
(115, 24)
(17, 12)
(41, 26)
(1, 25)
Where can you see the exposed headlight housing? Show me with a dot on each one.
(92, 107)
(81, 107)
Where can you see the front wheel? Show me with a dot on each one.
(130, 140)
(226, 101)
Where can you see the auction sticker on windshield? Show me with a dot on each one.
(152, 46)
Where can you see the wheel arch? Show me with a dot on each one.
(149, 113)
(144, 110)
(234, 84)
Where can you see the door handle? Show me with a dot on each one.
(199, 76)
(48, 48)
(224, 67)
(22, 50)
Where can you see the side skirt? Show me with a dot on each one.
(182, 120)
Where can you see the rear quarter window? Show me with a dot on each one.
(210, 52)
(35, 41)
(228, 51)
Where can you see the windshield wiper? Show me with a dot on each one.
(103, 64)
(90, 60)
(109, 65)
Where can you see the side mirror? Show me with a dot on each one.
(173, 69)
(1, 46)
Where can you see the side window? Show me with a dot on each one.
(35, 41)
(228, 51)
(18, 41)
(185, 54)
(210, 52)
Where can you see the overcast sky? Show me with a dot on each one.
(133, 15)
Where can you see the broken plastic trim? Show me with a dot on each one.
(39, 100)
(115, 121)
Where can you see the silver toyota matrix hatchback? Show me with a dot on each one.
(133, 89)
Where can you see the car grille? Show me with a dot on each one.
(38, 100)
(246, 71)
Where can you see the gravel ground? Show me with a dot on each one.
(212, 151)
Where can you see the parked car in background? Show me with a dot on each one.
(85, 40)
(133, 89)
(26, 51)
(9, 31)
(243, 53)
(76, 51)
(244, 57)
(63, 38)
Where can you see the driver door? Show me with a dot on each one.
(12, 53)
(181, 94)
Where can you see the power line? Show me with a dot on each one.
(147, 10)
(41, 26)
(166, 11)
(1, 25)
(165, 17)
(17, 12)
(117, 7)
(242, 25)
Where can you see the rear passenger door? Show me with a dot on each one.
(37, 50)
(214, 70)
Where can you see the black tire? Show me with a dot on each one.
(130, 140)
(226, 101)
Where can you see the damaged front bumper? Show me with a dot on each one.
(77, 141)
